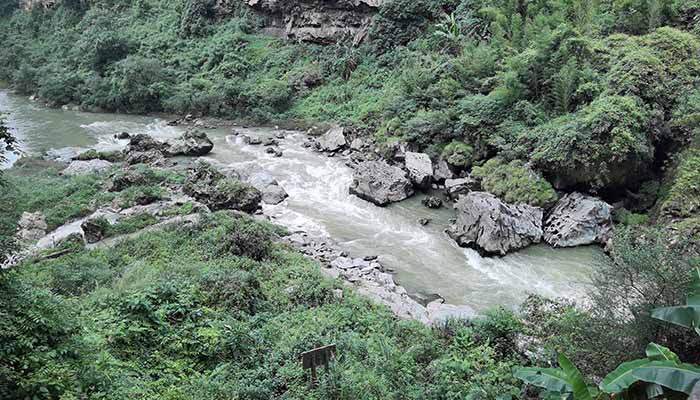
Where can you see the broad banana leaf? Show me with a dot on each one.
(688, 315)
(678, 377)
(623, 376)
(657, 352)
(551, 379)
(580, 389)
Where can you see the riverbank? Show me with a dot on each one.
(424, 259)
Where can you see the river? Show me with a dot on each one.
(424, 258)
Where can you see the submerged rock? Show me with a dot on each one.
(578, 220)
(490, 226)
(380, 183)
(194, 143)
(420, 169)
(333, 140)
(78, 168)
(432, 202)
(32, 226)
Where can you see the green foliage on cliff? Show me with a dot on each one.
(578, 88)
(515, 182)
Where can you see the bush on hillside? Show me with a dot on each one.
(515, 182)
(607, 144)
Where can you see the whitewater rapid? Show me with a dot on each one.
(424, 259)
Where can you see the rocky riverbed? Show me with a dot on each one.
(307, 189)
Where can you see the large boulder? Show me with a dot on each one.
(219, 192)
(78, 168)
(420, 169)
(442, 171)
(272, 192)
(193, 143)
(94, 229)
(578, 220)
(490, 226)
(333, 140)
(380, 183)
(142, 143)
(460, 186)
(32, 226)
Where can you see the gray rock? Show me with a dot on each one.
(461, 186)
(273, 194)
(578, 220)
(94, 230)
(432, 202)
(420, 169)
(219, 192)
(424, 221)
(143, 143)
(397, 150)
(343, 263)
(144, 157)
(333, 140)
(122, 136)
(357, 144)
(442, 171)
(194, 143)
(490, 226)
(32, 226)
(78, 168)
(380, 183)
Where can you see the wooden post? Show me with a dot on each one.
(315, 358)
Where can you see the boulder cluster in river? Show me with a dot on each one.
(483, 221)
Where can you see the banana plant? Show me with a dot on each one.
(661, 373)
(566, 382)
(687, 315)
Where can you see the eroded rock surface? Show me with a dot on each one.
(578, 220)
(492, 227)
(78, 168)
(380, 183)
(420, 169)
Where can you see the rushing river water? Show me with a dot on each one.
(424, 258)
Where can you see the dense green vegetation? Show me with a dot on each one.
(527, 96)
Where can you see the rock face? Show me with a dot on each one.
(380, 183)
(492, 227)
(316, 21)
(77, 168)
(420, 169)
(32, 226)
(457, 187)
(333, 140)
(442, 171)
(192, 143)
(578, 220)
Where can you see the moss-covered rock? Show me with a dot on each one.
(515, 182)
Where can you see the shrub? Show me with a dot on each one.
(458, 154)
(606, 144)
(401, 21)
(515, 182)
(682, 198)
(236, 235)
